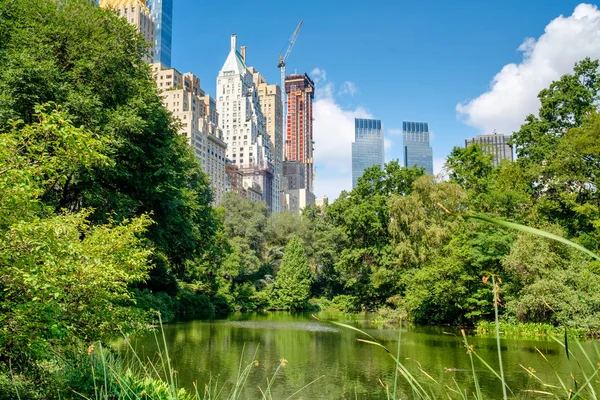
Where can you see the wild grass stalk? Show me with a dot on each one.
(397, 357)
(419, 391)
(12, 374)
(496, 299)
(470, 351)
(593, 392)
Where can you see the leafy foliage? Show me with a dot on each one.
(89, 62)
(61, 278)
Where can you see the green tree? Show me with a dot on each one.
(324, 243)
(564, 105)
(571, 197)
(89, 61)
(293, 281)
(420, 228)
(364, 265)
(471, 168)
(61, 278)
(245, 219)
(389, 180)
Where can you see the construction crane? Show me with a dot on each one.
(281, 66)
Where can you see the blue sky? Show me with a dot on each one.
(395, 61)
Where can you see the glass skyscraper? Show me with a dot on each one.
(416, 145)
(368, 147)
(162, 11)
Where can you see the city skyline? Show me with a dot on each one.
(560, 35)
(459, 58)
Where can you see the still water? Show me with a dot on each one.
(204, 351)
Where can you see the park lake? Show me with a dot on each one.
(296, 352)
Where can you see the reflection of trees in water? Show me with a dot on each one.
(201, 349)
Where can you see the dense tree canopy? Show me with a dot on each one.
(99, 195)
(89, 62)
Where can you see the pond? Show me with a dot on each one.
(340, 367)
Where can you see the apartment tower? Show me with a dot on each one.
(497, 145)
(243, 125)
(300, 91)
(269, 97)
(196, 111)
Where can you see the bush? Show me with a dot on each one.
(223, 302)
(389, 316)
(346, 303)
(190, 303)
(263, 299)
(18, 387)
(159, 302)
(244, 295)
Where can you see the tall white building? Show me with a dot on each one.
(183, 96)
(269, 97)
(243, 124)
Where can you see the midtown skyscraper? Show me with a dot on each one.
(417, 150)
(162, 12)
(368, 146)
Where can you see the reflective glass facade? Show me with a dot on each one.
(162, 11)
(416, 145)
(368, 146)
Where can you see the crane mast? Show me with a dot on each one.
(281, 66)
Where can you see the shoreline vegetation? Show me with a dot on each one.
(106, 219)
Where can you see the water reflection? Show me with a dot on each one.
(205, 349)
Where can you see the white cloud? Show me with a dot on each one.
(325, 91)
(333, 135)
(387, 147)
(318, 75)
(438, 166)
(348, 88)
(513, 91)
(394, 131)
(387, 144)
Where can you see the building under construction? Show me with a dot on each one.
(300, 90)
